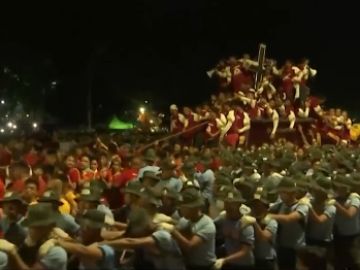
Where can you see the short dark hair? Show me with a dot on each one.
(32, 181)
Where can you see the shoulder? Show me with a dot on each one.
(56, 258)
(206, 223)
(107, 250)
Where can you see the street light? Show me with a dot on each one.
(10, 124)
(35, 125)
(142, 110)
(2, 102)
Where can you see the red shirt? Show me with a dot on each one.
(17, 186)
(74, 175)
(32, 159)
(121, 179)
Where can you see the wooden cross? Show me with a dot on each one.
(260, 66)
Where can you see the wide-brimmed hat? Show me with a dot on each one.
(287, 184)
(188, 168)
(191, 198)
(263, 196)
(40, 214)
(230, 194)
(167, 164)
(355, 179)
(191, 184)
(323, 184)
(50, 196)
(151, 175)
(12, 197)
(93, 218)
(133, 187)
(150, 155)
(151, 196)
(88, 195)
(244, 181)
(342, 181)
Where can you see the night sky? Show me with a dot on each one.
(160, 50)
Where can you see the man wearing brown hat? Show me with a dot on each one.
(265, 231)
(347, 221)
(65, 222)
(41, 220)
(14, 208)
(291, 216)
(92, 254)
(168, 178)
(195, 232)
(237, 232)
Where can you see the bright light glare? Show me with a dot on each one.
(9, 124)
(28, 115)
(142, 110)
(151, 121)
(14, 126)
(35, 125)
(2, 101)
(2, 130)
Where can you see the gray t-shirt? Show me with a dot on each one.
(55, 259)
(291, 235)
(170, 256)
(322, 231)
(348, 226)
(3, 260)
(265, 250)
(235, 238)
(68, 224)
(204, 254)
(206, 181)
(107, 262)
(172, 184)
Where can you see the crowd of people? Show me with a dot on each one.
(103, 206)
(277, 94)
(103, 203)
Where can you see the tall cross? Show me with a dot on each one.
(260, 66)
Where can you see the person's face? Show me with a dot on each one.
(88, 234)
(259, 209)
(166, 174)
(11, 209)
(341, 191)
(167, 202)
(70, 162)
(232, 209)
(116, 166)
(188, 212)
(30, 191)
(318, 195)
(338, 112)
(94, 165)
(173, 112)
(103, 161)
(39, 233)
(149, 182)
(85, 163)
(286, 196)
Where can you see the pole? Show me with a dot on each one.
(172, 136)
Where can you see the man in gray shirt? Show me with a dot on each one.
(291, 216)
(195, 232)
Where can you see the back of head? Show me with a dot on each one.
(312, 258)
